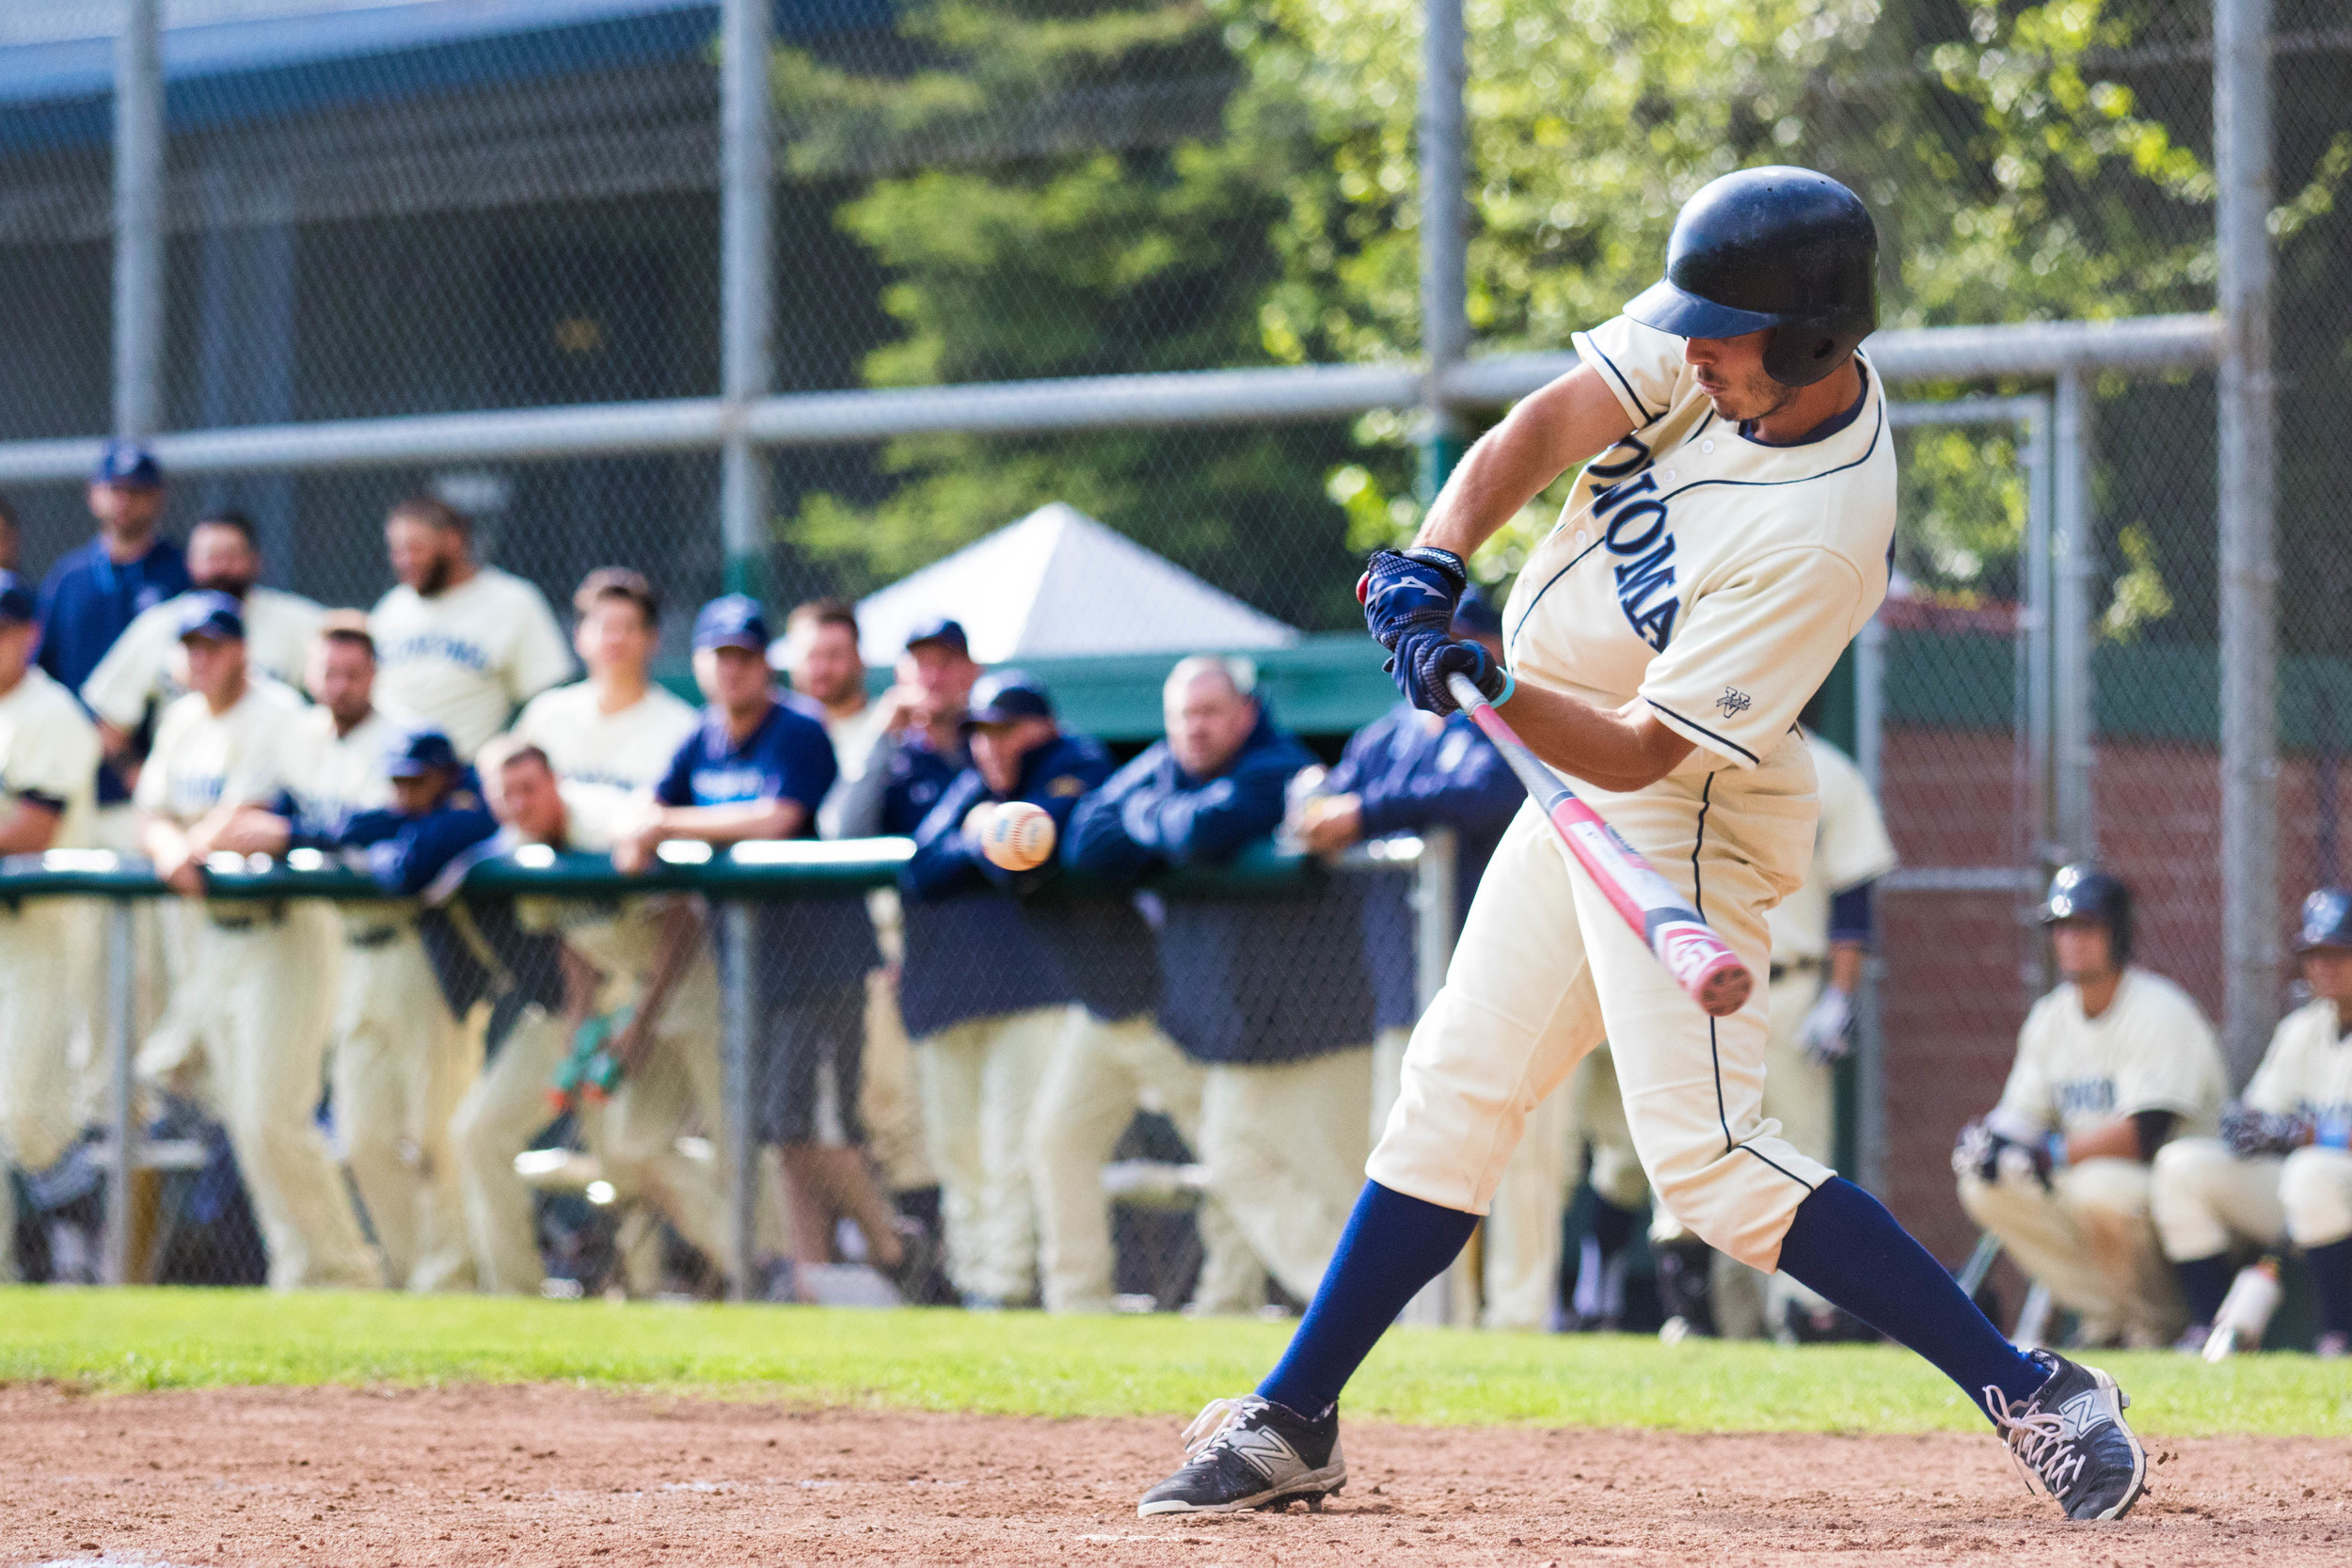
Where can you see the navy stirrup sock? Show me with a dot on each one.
(1392, 1246)
(1845, 1244)
(2332, 1271)
(2203, 1282)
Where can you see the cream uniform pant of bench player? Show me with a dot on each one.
(2089, 1236)
(48, 946)
(1715, 580)
(403, 1061)
(2207, 1200)
(270, 978)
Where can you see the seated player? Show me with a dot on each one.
(2110, 1065)
(2282, 1170)
(1284, 1111)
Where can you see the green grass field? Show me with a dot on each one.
(1027, 1364)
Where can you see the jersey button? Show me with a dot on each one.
(1706, 446)
(1670, 476)
(1581, 537)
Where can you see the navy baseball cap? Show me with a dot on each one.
(204, 613)
(940, 629)
(1476, 616)
(128, 464)
(16, 600)
(1005, 696)
(420, 754)
(732, 621)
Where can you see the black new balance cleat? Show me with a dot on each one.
(1247, 1453)
(2072, 1439)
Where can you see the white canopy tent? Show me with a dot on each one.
(1058, 584)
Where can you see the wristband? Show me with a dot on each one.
(1510, 684)
(2334, 1132)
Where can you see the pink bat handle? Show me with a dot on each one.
(1701, 962)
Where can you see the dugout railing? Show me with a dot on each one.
(1315, 905)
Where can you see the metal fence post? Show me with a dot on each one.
(2074, 754)
(747, 281)
(122, 1145)
(1444, 237)
(1434, 917)
(1869, 1057)
(139, 302)
(2250, 570)
(736, 983)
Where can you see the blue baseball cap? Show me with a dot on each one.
(423, 752)
(940, 629)
(17, 603)
(204, 613)
(130, 464)
(732, 621)
(1005, 696)
(1476, 616)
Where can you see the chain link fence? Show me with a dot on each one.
(490, 217)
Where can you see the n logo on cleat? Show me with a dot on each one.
(1265, 1451)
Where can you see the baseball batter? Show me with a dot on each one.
(48, 770)
(2282, 1171)
(270, 967)
(1728, 536)
(459, 645)
(2110, 1065)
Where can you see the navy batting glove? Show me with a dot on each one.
(1424, 660)
(1404, 591)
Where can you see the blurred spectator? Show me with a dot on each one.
(140, 673)
(12, 539)
(1410, 772)
(758, 770)
(91, 596)
(269, 995)
(48, 768)
(617, 730)
(819, 653)
(401, 1059)
(461, 644)
(2110, 1065)
(1284, 1115)
(2282, 1170)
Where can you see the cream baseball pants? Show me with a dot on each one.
(979, 1082)
(403, 1063)
(1283, 1143)
(2204, 1199)
(48, 962)
(2089, 1238)
(1546, 970)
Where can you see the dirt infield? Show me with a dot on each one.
(565, 1476)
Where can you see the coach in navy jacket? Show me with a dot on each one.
(1269, 992)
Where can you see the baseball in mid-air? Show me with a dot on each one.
(1018, 836)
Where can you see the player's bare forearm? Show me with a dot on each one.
(734, 824)
(27, 829)
(1618, 750)
(582, 981)
(2116, 1139)
(681, 942)
(1549, 432)
(1845, 965)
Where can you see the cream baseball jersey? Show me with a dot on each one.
(332, 778)
(463, 660)
(1712, 575)
(2308, 1069)
(2151, 1049)
(48, 753)
(201, 759)
(145, 665)
(627, 749)
(1850, 848)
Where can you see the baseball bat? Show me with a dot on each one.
(1701, 962)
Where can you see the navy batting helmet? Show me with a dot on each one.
(2327, 920)
(1777, 247)
(2083, 891)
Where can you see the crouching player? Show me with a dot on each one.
(2282, 1170)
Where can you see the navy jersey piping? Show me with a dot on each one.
(1546, 588)
(1703, 730)
(1648, 419)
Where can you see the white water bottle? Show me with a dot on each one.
(2246, 1311)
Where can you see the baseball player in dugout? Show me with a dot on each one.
(1288, 1066)
(1725, 538)
(2110, 1066)
(459, 645)
(981, 1027)
(820, 654)
(269, 967)
(2280, 1173)
(758, 767)
(140, 672)
(401, 1059)
(48, 768)
(1820, 936)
